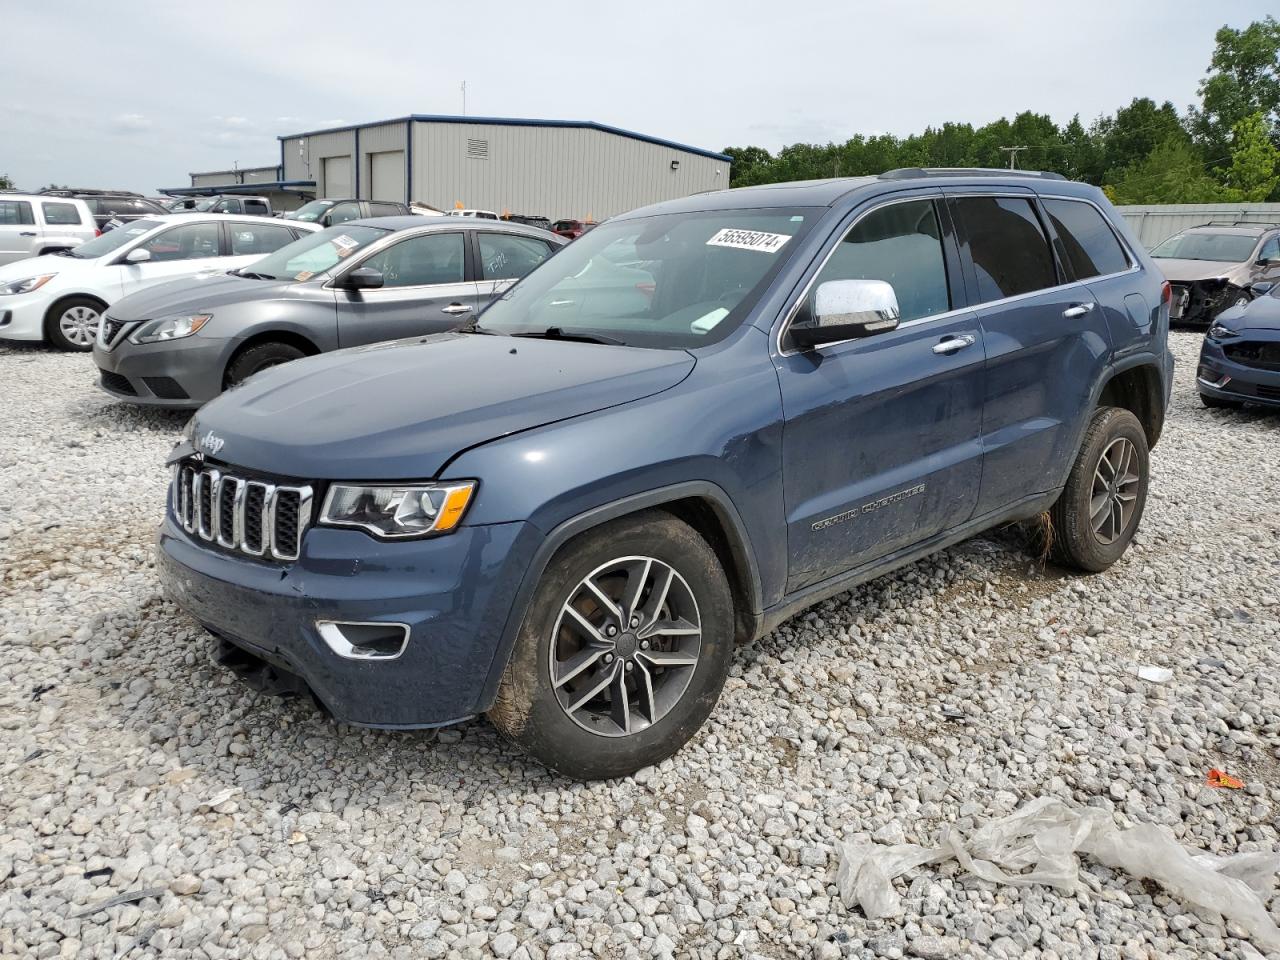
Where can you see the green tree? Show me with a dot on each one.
(1136, 130)
(1254, 174)
(5, 182)
(1172, 173)
(1243, 79)
(750, 165)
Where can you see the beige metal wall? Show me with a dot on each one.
(217, 178)
(309, 165)
(1159, 221)
(556, 172)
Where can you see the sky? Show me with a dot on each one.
(137, 95)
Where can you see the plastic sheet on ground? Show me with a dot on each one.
(1041, 842)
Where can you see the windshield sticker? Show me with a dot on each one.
(343, 242)
(706, 322)
(748, 240)
(304, 275)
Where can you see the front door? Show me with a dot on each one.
(177, 252)
(1047, 339)
(881, 440)
(18, 230)
(425, 290)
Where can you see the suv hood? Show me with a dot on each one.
(203, 291)
(402, 410)
(1261, 314)
(1187, 271)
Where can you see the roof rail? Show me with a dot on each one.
(915, 173)
(85, 191)
(1241, 223)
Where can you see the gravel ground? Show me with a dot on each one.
(951, 691)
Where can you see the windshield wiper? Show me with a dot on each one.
(556, 333)
(250, 275)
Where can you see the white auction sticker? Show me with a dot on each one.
(748, 240)
(345, 242)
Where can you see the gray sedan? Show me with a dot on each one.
(182, 343)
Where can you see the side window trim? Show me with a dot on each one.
(951, 258)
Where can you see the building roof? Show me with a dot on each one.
(217, 189)
(521, 122)
(234, 172)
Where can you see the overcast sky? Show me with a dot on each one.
(137, 95)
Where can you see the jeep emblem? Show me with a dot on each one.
(212, 443)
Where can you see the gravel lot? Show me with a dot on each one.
(950, 692)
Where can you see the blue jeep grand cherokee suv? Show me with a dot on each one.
(682, 429)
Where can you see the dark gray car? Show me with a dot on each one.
(182, 343)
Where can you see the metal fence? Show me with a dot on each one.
(1154, 222)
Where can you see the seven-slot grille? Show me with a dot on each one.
(254, 517)
(109, 330)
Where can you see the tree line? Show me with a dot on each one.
(1224, 148)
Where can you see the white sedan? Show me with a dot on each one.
(61, 298)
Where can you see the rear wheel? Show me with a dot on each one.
(1216, 403)
(258, 358)
(1100, 508)
(72, 324)
(623, 652)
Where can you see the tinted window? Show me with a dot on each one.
(15, 213)
(192, 241)
(506, 257)
(61, 214)
(900, 244)
(255, 206)
(1009, 249)
(120, 206)
(251, 238)
(419, 261)
(344, 212)
(1091, 247)
(383, 210)
(1270, 250)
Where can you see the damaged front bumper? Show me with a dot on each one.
(1200, 301)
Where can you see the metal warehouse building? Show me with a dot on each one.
(552, 168)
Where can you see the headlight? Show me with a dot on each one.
(1219, 332)
(170, 328)
(398, 511)
(25, 286)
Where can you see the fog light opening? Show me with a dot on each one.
(364, 641)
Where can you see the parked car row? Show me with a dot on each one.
(1214, 267)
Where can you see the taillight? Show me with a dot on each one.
(1166, 293)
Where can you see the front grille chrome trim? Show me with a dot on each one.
(200, 502)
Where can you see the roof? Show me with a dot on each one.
(235, 171)
(521, 122)
(217, 189)
(412, 220)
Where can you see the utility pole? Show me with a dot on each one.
(1013, 155)
(464, 98)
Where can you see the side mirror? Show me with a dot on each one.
(1261, 288)
(846, 310)
(363, 278)
(137, 255)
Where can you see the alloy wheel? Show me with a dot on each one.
(79, 324)
(625, 646)
(1115, 490)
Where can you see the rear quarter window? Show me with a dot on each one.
(61, 214)
(1088, 240)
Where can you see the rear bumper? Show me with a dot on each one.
(454, 593)
(182, 374)
(1221, 377)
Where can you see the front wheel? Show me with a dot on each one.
(258, 358)
(623, 652)
(72, 324)
(1100, 508)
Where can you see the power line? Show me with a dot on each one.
(1013, 155)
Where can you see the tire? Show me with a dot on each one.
(581, 734)
(72, 324)
(1216, 403)
(258, 358)
(1084, 536)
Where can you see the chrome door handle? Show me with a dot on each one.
(456, 308)
(954, 344)
(1079, 310)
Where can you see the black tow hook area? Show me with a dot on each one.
(255, 671)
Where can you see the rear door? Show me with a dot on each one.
(1046, 340)
(881, 439)
(18, 230)
(427, 287)
(250, 240)
(504, 258)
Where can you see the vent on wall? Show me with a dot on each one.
(477, 149)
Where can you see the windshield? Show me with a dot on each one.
(672, 281)
(313, 254)
(1224, 247)
(113, 239)
(311, 212)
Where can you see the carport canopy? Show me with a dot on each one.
(270, 186)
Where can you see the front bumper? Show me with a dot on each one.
(22, 317)
(181, 374)
(1244, 382)
(455, 593)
